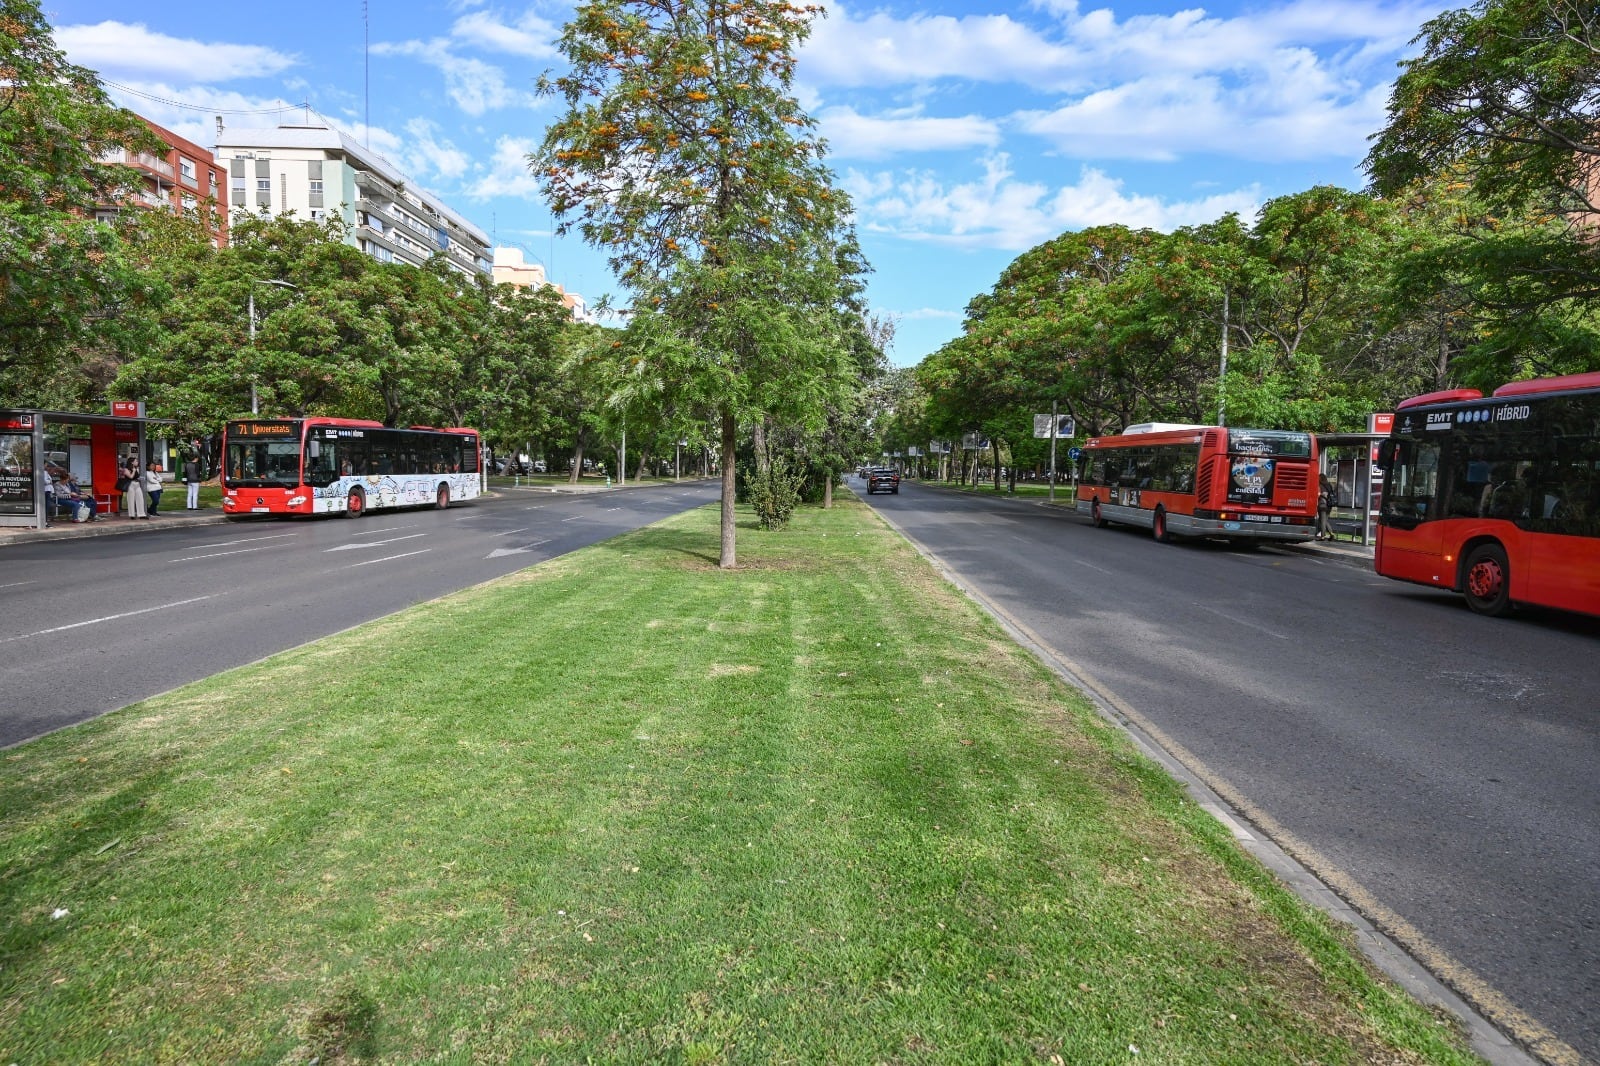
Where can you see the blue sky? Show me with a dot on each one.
(965, 133)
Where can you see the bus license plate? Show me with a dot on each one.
(1263, 518)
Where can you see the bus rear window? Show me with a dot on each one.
(1281, 444)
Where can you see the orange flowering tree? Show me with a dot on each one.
(684, 155)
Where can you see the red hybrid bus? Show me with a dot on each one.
(1497, 497)
(283, 466)
(1203, 481)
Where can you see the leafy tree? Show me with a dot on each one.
(687, 157)
(1505, 98)
(63, 279)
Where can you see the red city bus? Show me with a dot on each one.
(344, 466)
(1203, 481)
(1497, 497)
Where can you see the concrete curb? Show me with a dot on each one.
(108, 527)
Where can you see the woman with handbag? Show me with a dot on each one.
(134, 491)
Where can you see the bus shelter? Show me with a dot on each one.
(90, 446)
(1350, 461)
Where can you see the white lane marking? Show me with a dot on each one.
(507, 533)
(498, 552)
(216, 555)
(375, 543)
(249, 540)
(1091, 566)
(388, 558)
(107, 618)
(574, 518)
(385, 529)
(15, 584)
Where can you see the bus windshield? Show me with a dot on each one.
(263, 462)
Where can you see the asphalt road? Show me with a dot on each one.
(1435, 767)
(90, 625)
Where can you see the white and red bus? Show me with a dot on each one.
(1203, 481)
(1497, 497)
(305, 466)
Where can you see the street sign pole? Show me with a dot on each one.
(1052, 451)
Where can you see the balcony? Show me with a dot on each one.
(142, 160)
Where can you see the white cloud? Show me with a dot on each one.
(999, 212)
(530, 36)
(123, 50)
(1295, 114)
(507, 173)
(429, 155)
(1082, 52)
(883, 50)
(852, 135)
(473, 85)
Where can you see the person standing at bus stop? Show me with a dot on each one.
(153, 485)
(191, 478)
(1326, 497)
(135, 490)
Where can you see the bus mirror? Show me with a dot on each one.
(314, 448)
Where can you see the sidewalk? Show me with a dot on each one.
(110, 525)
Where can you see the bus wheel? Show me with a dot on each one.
(1158, 526)
(442, 500)
(356, 504)
(1488, 581)
(1095, 515)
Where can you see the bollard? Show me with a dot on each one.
(608, 482)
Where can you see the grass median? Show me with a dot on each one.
(625, 807)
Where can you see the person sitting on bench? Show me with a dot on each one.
(78, 503)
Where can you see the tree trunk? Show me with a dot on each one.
(577, 461)
(644, 457)
(827, 489)
(995, 444)
(763, 461)
(729, 557)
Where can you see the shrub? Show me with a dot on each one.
(774, 493)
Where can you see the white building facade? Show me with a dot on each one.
(316, 171)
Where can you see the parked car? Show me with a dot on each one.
(883, 478)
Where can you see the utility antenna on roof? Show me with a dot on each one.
(366, 73)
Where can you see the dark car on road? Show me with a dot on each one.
(883, 478)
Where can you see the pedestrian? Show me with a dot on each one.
(49, 494)
(1326, 497)
(153, 485)
(82, 502)
(134, 490)
(191, 478)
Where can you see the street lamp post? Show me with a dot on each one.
(254, 409)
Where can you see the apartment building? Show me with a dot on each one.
(184, 178)
(316, 171)
(512, 268)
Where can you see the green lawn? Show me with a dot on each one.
(624, 807)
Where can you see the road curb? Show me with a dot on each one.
(105, 528)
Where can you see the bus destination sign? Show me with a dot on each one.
(243, 430)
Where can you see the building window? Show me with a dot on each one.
(186, 168)
(318, 214)
(264, 185)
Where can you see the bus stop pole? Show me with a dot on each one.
(1052, 451)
